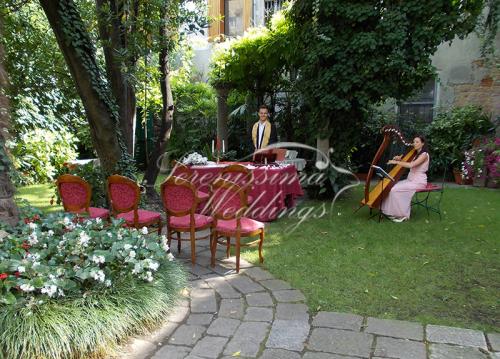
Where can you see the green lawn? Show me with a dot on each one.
(441, 272)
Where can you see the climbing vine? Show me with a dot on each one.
(76, 35)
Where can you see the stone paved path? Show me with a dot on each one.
(254, 315)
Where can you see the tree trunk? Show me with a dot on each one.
(222, 115)
(100, 107)
(8, 209)
(167, 116)
(114, 35)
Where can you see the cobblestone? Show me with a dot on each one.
(254, 315)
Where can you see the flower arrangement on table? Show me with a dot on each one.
(483, 161)
(195, 159)
(64, 256)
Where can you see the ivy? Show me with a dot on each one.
(76, 36)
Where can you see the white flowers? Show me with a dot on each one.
(32, 226)
(144, 230)
(32, 239)
(107, 283)
(98, 220)
(98, 276)
(27, 288)
(151, 264)
(50, 233)
(98, 259)
(164, 244)
(131, 255)
(195, 159)
(127, 246)
(49, 289)
(21, 269)
(148, 276)
(84, 239)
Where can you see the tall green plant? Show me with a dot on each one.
(354, 54)
(39, 155)
(452, 132)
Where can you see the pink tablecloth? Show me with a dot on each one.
(274, 188)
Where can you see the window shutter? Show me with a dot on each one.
(216, 14)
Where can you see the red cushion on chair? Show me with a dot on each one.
(95, 212)
(202, 195)
(430, 187)
(143, 216)
(184, 221)
(247, 225)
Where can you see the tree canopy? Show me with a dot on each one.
(347, 56)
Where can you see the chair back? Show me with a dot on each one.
(182, 171)
(239, 175)
(178, 196)
(228, 200)
(75, 193)
(124, 193)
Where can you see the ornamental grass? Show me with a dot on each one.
(74, 290)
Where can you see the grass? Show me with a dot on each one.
(39, 195)
(439, 272)
(91, 326)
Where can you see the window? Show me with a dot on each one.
(270, 7)
(233, 17)
(420, 106)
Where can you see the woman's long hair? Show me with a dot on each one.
(424, 147)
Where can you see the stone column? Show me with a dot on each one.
(222, 114)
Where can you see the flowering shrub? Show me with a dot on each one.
(492, 160)
(68, 256)
(483, 161)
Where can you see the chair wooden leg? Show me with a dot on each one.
(159, 227)
(169, 237)
(237, 253)
(193, 246)
(261, 258)
(178, 242)
(213, 247)
(228, 247)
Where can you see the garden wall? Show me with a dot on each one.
(465, 79)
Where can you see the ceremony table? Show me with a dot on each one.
(274, 189)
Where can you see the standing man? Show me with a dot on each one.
(263, 132)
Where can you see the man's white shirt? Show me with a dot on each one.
(260, 133)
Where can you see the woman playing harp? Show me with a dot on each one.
(397, 205)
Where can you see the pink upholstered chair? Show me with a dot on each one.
(229, 203)
(76, 194)
(180, 200)
(183, 171)
(241, 176)
(125, 195)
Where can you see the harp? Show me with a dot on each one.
(372, 198)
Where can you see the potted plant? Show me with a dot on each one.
(452, 132)
(492, 162)
(482, 163)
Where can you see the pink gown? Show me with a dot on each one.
(398, 202)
